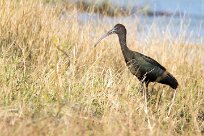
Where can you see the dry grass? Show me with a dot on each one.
(89, 91)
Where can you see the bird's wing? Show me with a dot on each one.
(152, 61)
(147, 66)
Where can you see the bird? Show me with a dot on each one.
(143, 67)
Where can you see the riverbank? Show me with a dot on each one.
(175, 21)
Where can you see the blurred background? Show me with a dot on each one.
(175, 16)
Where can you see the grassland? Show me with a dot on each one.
(89, 91)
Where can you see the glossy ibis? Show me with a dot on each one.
(143, 67)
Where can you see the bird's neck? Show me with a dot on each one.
(123, 44)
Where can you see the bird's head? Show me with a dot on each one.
(117, 29)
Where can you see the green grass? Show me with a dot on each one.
(89, 91)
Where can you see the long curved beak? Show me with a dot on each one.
(104, 36)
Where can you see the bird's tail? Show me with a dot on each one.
(170, 80)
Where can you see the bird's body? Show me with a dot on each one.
(143, 67)
(148, 70)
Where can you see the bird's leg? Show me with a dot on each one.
(172, 102)
(146, 90)
(141, 87)
(142, 82)
(158, 99)
(145, 93)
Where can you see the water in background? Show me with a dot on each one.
(191, 22)
(191, 7)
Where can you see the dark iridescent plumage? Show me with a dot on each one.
(143, 67)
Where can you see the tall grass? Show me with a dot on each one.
(89, 91)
